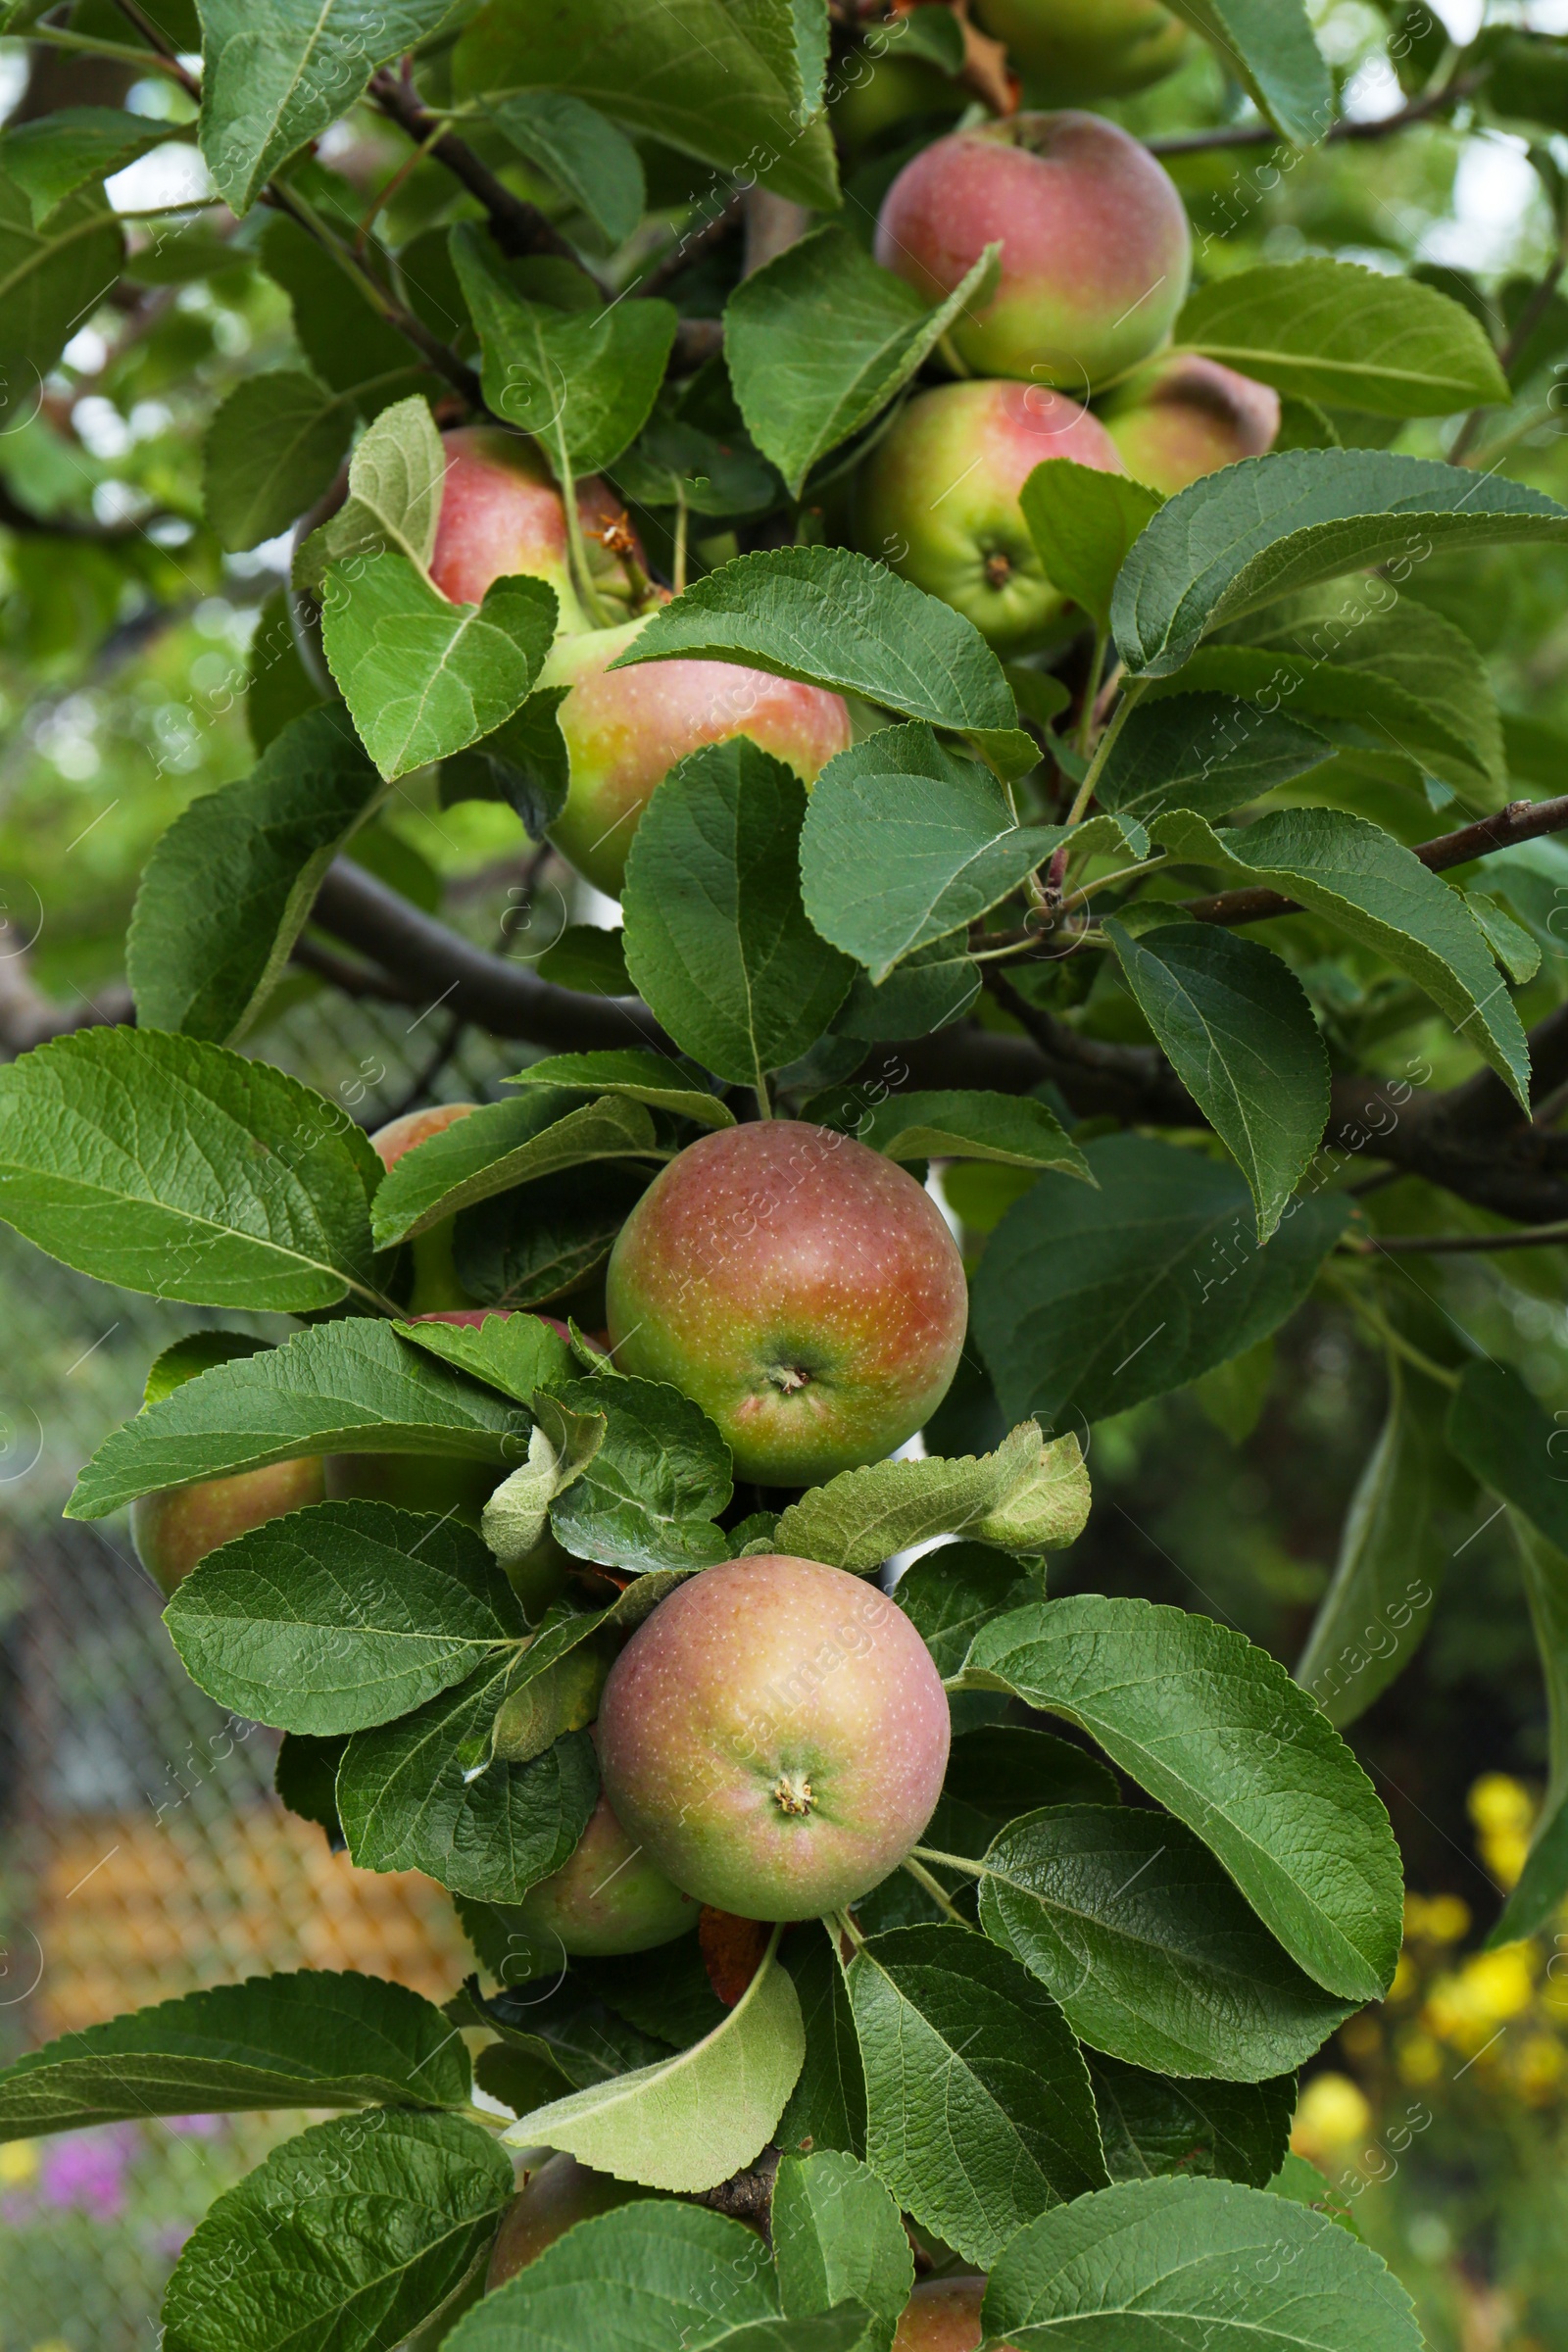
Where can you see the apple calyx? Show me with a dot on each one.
(790, 1378)
(998, 568)
(792, 1794)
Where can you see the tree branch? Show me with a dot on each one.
(1381, 127)
(518, 227)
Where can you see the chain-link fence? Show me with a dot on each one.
(142, 1851)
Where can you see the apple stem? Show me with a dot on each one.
(764, 1108)
(935, 1889)
(1108, 742)
(1097, 663)
(682, 521)
(577, 551)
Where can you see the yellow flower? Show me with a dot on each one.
(19, 2163)
(1539, 2066)
(1488, 1991)
(1502, 1811)
(1448, 1919)
(1407, 1980)
(1332, 2115)
(1420, 2061)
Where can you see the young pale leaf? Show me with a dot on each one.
(396, 478)
(980, 2114)
(582, 384)
(1257, 531)
(967, 1123)
(1503, 1434)
(1129, 1921)
(836, 619)
(1205, 752)
(1022, 1498)
(658, 1079)
(1370, 886)
(272, 449)
(823, 338)
(423, 677)
(905, 842)
(350, 1386)
(723, 85)
(587, 156)
(1393, 1554)
(530, 1246)
(1349, 337)
(653, 1490)
(1152, 2125)
(950, 1594)
(340, 1616)
(272, 82)
(838, 2238)
(649, 2276)
(406, 1799)
(1083, 522)
(688, 2121)
(1087, 1302)
(51, 279)
(349, 2236)
(1216, 1731)
(717, 942)
(503, 1144)
(1269, 47)
(53, 156)
(230, 885)
(1197, 2261)
(1239, 1031)
(312, 2039)
(515, 1353)
(166, 1165)
(827, 2107)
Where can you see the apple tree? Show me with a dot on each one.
(799, 464)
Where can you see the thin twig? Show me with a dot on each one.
(1263, 134)
(1453, 1245)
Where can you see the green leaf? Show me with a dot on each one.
(51, 281)
(826, 2109)
(346, 344)
(1392, 1559)
(304, 1779)
(1267, 45)
(423, 677)
(589, 959)
(1129, 1921)
(524, 761)
(396, 478)
(660, 1080)
(1023, 1498)
(560, 1636)
(1371, 887)
(967, 1123)
(1083, 522)
(1195, 2261)
(589, 158)
(1239, 1031)
(312, 2039)
(649, 2276)
(51, 158)
(530, 1246)
(503, 1144)
(581, 385)
(935, 985)
(675, 463)
(1347, 337)
(822, 338)
(1086, 1302)
(653, 1491)
(1216, 1731)
(1517, 952)
(1152, 2125)
(273, 80)
(833, 618)
(1304, 2184)
(230, 885)
(343, 2240)
(721, 84)
(515, 1353)
(980, 2110)
(198, 1351)
(166, 1165)
(1499, 1431)
(906, 841)
(272, 450)
(717, 940)
(1205, 752)
(688, 2121)
(350, 1386)
(947, 1596)
(341, 1616)
(1255, 532)
(1000, 1770)
(838, 2238)
(408, 1802)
